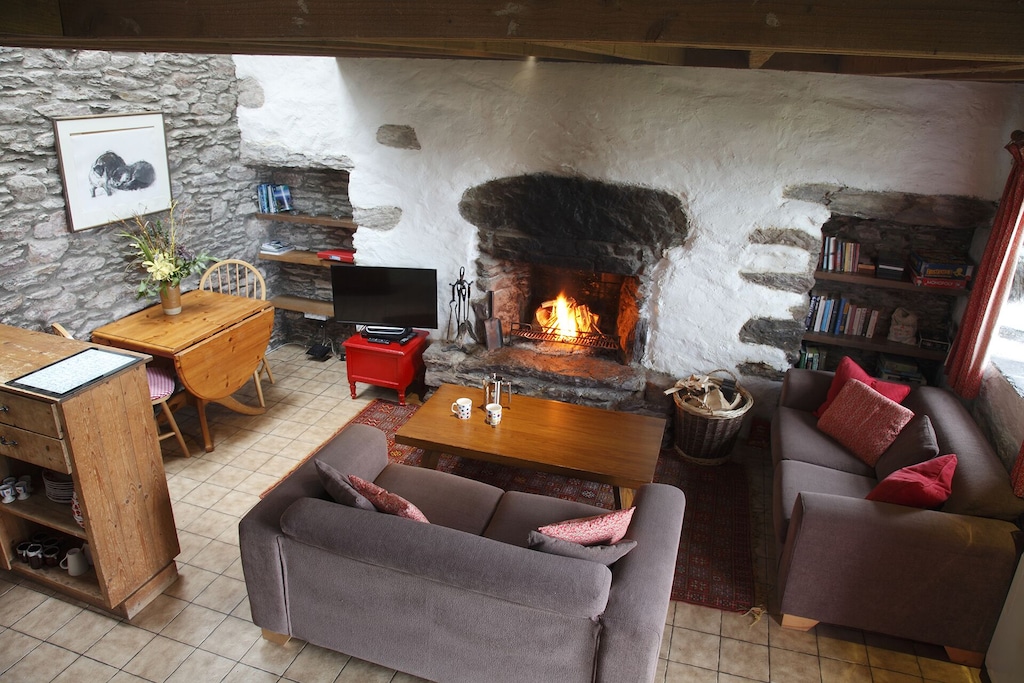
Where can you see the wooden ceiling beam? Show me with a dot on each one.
(946, 29)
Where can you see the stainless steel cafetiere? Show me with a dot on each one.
(498, 390)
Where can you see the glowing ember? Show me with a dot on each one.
(567, 318)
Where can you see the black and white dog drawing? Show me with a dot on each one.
(109, 172)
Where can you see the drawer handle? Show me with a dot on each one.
(4, 441)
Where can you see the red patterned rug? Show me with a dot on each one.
(714, 567)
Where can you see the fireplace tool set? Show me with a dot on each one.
(458, 311)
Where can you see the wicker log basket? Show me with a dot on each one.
(705, 427)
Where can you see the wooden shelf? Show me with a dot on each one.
(882, 283)
(303, 305)
(85, 587)
(303, 258)
(41, 510)
(326, 221)
(873, 344)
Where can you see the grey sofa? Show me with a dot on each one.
(934, 576)
(461, 598)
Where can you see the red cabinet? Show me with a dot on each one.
(393, 365)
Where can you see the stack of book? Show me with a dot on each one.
(275, 247)
(937, 268)
(273, 198)
(890, 266)
(340, 255)
(840, 316)
(898, 369)
(839, 256)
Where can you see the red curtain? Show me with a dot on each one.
(995, 272)
(970, 348)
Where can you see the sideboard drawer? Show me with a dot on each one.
(29, 413)
(37, 449)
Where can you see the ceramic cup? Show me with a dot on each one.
(35, 556)
(75, 562)
(463, 408)
(51, 555)
(493, 413)
(22, 490)
(7, 494)
(9, 480)
(22, 551)
(27, 479)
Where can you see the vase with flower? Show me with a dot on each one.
(158, 249)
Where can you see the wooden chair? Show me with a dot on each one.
(240, 278)
(162, 385)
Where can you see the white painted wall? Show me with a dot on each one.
(726, 142)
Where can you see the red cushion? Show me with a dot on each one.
(848, 370)
(385, 501)
(924, 485)
(609, 528)
(864, 421)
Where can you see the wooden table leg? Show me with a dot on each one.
(624, 497)
(430, 459)
(204, 426)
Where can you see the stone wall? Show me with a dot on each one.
(47, 273)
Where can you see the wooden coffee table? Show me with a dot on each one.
(614, 448)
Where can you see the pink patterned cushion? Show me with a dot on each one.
(161, 383)
(925, 485)
(385, 501)
(848, 370)
(609, 528)
(864, 421)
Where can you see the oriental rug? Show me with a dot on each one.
(714, 567)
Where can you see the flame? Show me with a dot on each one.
(566, 318)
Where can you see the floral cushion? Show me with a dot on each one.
(847, 370)
(864, 421)
(607, 528)
(340, 488)
(605, 554)
(925, 485)
(385, 501)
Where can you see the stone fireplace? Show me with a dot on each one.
(595, 242)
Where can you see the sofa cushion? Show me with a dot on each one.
(447, 500)
(924, 485)
(792, 477)
(385, 501)
(340, 488)
(848, 370)
(864, 421)
(795, 436)
(520, 513)
(609, 527)
(605, 554)
(915, 444)
(981, 483)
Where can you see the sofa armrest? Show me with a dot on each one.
(927, 575)
(805, 389)
(455, 558)
(358, 449)
(634, 622)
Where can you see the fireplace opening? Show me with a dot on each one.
(579, 309)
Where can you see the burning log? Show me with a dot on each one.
(566, 317)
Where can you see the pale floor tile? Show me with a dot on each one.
(271, 657)
(159, 613)
(358, 671)
(788, 639)
(223, 594)
(193, 625)
(205, 494)
(191, 582)
(14, 646)
(788, 666)
(243, 673)
(215, 557)
(316, 665)
(836, 671)
(229, 476)
(82, 632)
(889, 660)
(745, 628)
(202, 667)
(740, 658)
(47, 618)
(119, 645)
(698, 618)
(85, 670)
(695, 648)
(211, 523)
(191, 545)
(158, 659)
(686, 673)
(232, 638)
(18, 602)
(44, 663)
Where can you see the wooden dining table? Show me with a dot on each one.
(215, 343)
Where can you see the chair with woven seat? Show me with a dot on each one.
(240, 278)
(162, 387)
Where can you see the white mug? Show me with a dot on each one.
(7, 493)
(75, 562)
(22, 489)
(493, 413)
(463, 408)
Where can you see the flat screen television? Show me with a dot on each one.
(379, 297)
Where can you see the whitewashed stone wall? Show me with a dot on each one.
(726, 142)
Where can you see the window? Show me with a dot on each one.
(1007, 347)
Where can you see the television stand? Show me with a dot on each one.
(395, 364)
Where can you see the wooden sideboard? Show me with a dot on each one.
(103, 435)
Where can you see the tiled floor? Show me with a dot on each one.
(199, 630)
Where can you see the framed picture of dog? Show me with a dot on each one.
(113, 167)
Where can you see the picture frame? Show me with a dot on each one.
(112, 167)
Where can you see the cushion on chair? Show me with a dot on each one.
(161, 382)
(848, 370)
(864, 421)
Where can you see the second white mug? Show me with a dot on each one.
(75, 562)
(493, 413)
(463, 408)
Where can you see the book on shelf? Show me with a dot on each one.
(340, 255)
(812, 358)
(941, 263)
(276, 247)
(839, 255)
(872, 322)
(937, 282)
(273, 198)
(889, 266)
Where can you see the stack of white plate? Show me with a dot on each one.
(59, 487)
